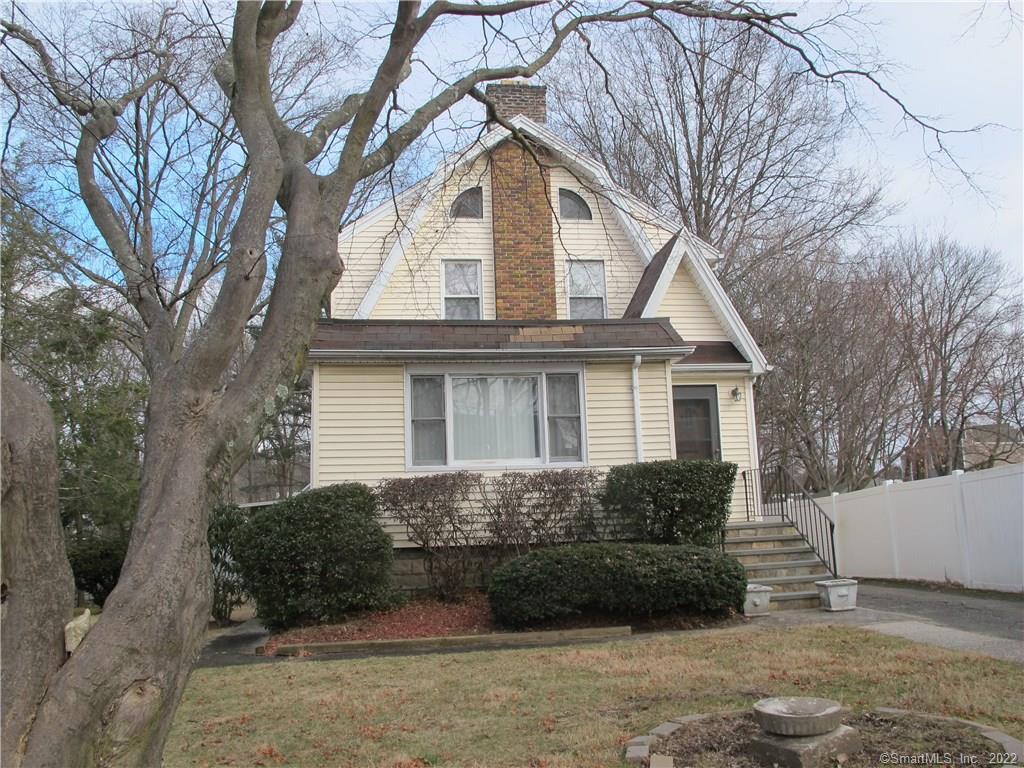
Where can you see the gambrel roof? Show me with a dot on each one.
(683, 250)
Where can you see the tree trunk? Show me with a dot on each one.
(113, 702)
(38, 593)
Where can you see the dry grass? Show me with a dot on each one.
(554, 708)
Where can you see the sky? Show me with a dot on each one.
(965, 68)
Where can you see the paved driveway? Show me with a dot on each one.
(984, 623)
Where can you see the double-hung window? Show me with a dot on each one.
(586, 290)
(469, 418)
(461, 289)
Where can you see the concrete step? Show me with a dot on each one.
(788, 601)
(763, 542)
(785, 584)
(773, 555)
(750, 530)
(757, 572)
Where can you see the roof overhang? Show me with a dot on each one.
(499, 355)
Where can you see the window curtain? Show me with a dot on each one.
(495, 417)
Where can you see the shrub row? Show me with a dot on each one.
(617, 579)
(454, 515)
(324, 553)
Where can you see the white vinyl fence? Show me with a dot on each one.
(966, 528)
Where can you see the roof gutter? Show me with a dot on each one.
(560, 353)
(708, 367)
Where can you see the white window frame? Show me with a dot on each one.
(568, 287)
(479, 286)
(539, 371)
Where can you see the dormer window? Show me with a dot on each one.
(469, 204)
(573, 207)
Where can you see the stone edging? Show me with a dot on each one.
(492, 640)
(1006, 742)
(640, 750)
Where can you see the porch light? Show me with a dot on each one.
(737, 394)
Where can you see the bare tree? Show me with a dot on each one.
(724, 128)
(286, 150)
(951, 311)
(833, 409)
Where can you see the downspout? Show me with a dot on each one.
(638, 428)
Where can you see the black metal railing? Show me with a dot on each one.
(772, 493)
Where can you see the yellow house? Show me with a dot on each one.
(517, 310)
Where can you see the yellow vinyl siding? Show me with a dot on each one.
(364, 251)
(414, 291)
(359, 414)
(610, 428)
(689, 311)
(734, 427)
(601, 239)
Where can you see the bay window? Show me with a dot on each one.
(495, 418)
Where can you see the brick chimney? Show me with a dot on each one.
(521, 213)
(513, 97)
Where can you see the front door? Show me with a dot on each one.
(696, 417)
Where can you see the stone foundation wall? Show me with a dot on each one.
(411, 573)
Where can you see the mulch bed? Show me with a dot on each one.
(426, 617)
(721, 742)
(421, 617)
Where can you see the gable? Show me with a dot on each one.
(689, 311)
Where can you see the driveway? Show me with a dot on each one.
(988, 623)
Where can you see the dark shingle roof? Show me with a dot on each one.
(413, 339)
(648, 280)
(714, 353)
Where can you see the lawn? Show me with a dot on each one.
(559, 707)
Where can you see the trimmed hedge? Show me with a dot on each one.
(672, 502)
(627, 580)
(316, 556)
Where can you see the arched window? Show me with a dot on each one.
(572, 206)
(469, 204)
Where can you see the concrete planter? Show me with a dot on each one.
(837, 594)
(758, 602)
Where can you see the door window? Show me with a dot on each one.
(696, 422)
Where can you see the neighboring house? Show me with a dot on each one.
(507, 315)
(992, 445)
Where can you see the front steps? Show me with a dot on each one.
(776, 555)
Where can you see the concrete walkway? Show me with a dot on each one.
(984, 623)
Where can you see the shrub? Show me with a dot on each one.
(672, 502)
(226, 521)
(624, 580)
(525, 509)
(316, 556)
(96, 563)
(436, 510)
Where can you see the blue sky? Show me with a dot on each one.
(966, 68)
